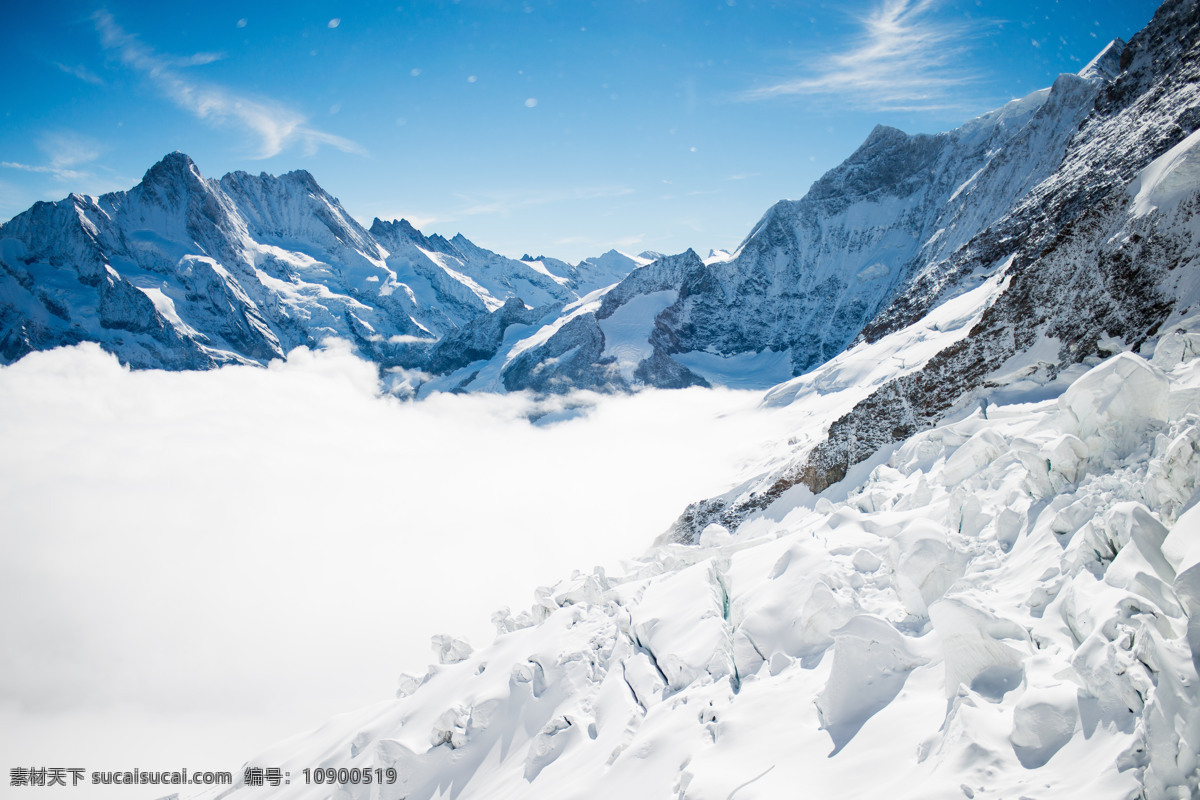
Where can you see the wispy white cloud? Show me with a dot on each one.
(195, 59)
(81, 72)
(275, 126)
(65, 174)
(903, 59)
(67, 149)
(64, 152)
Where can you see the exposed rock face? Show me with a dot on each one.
(480, 338)
(815, 271)
(571, 359)
(1097, 256)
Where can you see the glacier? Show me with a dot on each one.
(999, 606)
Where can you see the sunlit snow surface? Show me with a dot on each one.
(999, 609)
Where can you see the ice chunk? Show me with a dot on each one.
(926, 566)
(1175, 348)
(1114, 403)
(451, 727)
(871, 662)
(531, 672)
(1124, 547)
(1182, 550)
(715, 535)
(1009, 525)
(681, 623)
(866, 561)
(813, 612)
(1182, 545)
(972, 657)
(1043, 721)
(1141, 539)
(1172, 477)
(548, 745)
(407, 684)
(1067, 455)
(450, 650)
(973, 455)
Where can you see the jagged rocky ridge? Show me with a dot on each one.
(187, 272)
(1095, 258)
(813, 272)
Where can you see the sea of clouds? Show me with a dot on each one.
(196, 565)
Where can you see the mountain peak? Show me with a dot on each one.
(395, 226)
(304, 178)
(1107, 63)
(175, 166)
(883, 133)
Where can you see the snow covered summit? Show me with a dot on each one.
(186, 272)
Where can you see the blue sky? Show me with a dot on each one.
(541, 127)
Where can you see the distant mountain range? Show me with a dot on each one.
(186, 272)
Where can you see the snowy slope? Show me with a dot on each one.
(607, 269)
(460, 270)
(999, 608)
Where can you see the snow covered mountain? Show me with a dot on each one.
(1098, 257)
(815, 271)
(185, 272)
(974, 569)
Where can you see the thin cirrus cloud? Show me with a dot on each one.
(65, 153)
(898, 62)
(83, 73)
(63, 174)
(275, 126)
